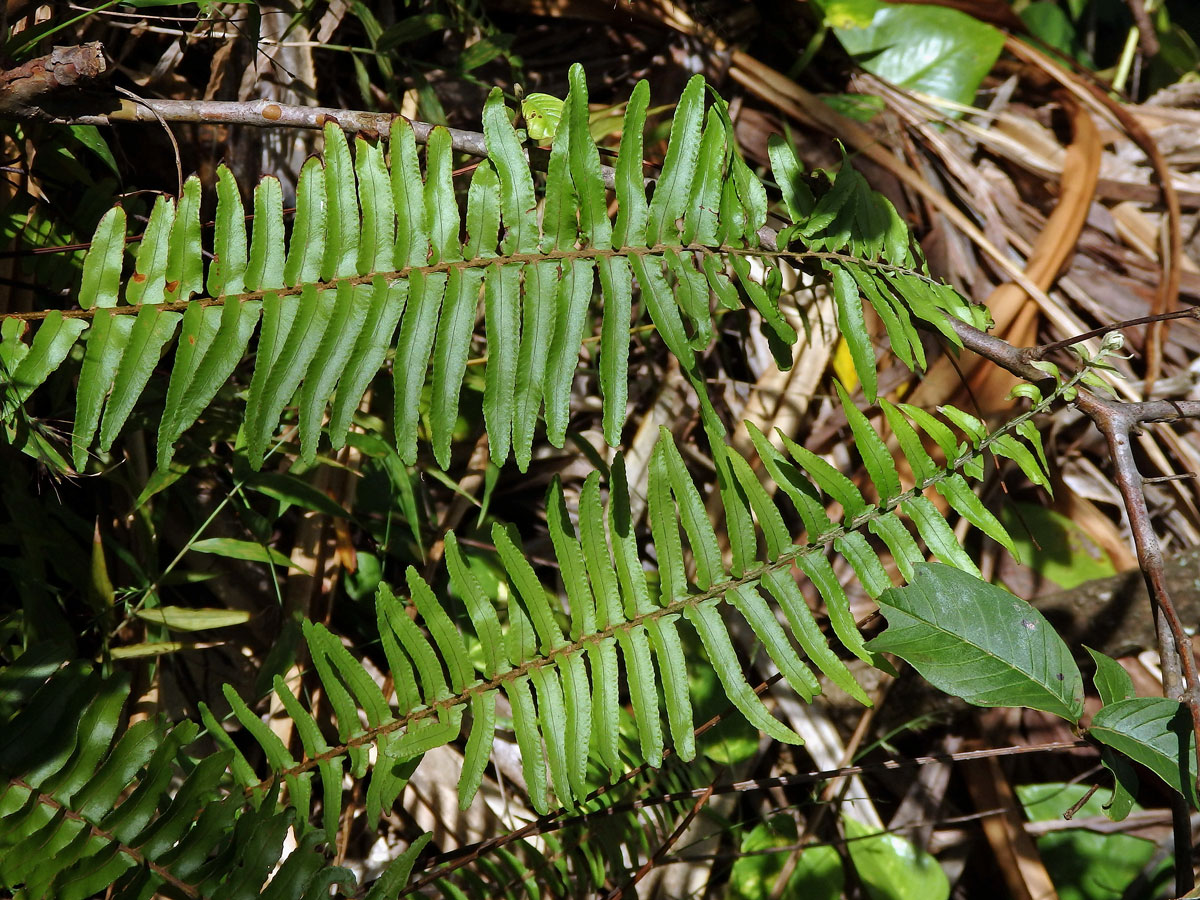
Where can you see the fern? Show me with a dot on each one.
(82, 811)
(561, 685)
(374, 262)
(374, 266)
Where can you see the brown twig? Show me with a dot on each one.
(25, 89)
(1117, 421)
(1043, 350)
(554, 822)
(1147, 39)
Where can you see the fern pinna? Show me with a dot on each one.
(375, 268)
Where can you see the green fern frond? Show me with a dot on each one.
(82, 812)
(558, 666)
(103, 806)
(374, 266)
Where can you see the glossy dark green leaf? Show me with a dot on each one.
(1156, 732)
(933, 50)
(978, 642)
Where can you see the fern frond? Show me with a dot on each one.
(82, 811)
(375, 261)
(558, 665)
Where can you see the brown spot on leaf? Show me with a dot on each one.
(138, 277)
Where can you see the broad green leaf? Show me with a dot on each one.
(1156, 732)
(933, 50)
(891, 867)
(817, 875)
(1085, 864)
(1054, 546)
(1125, 784)
(1113, 683)
(979, 642)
